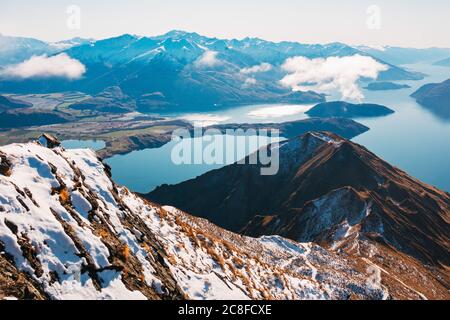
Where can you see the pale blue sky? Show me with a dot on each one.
(413, 23)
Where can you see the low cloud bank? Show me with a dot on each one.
(208, 59)
(61, 66)
(263, 67)
(329, 74)
(250, 82)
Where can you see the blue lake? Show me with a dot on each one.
(413, 138)
(153, 167)
(79, 144)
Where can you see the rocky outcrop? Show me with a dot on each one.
(5, 165)
(49, 141)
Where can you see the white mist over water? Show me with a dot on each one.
(279, 111)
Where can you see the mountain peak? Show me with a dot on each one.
(176, 33)
(179, 34)
(312, 168)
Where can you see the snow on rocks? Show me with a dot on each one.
(73, 234)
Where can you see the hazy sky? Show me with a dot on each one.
(412, 23)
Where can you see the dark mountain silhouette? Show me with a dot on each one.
(26, 118)
(436, 98)
(328, 190)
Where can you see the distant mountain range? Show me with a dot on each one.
(436, 98)
(402, 56)
(180, 70)
(17, 49)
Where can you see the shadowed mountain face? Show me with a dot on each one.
(436, 98)
(16, 113)
(7, 103)
(110, 100)
(348, 110)
(26, 118)
(328, 190)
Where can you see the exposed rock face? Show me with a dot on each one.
(335, 193)
(49, 141)
(5, 165)
(67, 231)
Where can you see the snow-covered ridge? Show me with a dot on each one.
(71, 233)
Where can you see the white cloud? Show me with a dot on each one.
(263, 67)
(208, 59)
(61, 66)
(333, 73)
(250, 82)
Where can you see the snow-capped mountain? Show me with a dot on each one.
(189, 70)
(67, 231)
(17, 49)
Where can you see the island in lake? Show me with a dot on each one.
(343, 109)
(382, 86)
